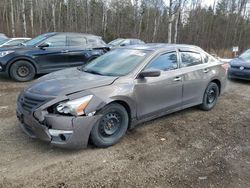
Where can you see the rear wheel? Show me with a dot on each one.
(22, 71)
(111, 127)
(210, 97)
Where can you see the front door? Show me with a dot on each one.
(156, 95)
(55, 56)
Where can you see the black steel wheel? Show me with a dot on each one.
(22, 71)
(210, 97)
(112, 126)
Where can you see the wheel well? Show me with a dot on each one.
(218, 84)
(126, 106)
(22, 60)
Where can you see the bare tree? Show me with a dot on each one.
(24, 18)
(31, 18)
(53, 15)
(12, 18)
(219, 27)
(177, 18)
(170, 15)
(104, 18)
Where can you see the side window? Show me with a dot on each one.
(77, 41)
(134, 42)
(96, 42)
(190, 59)
(140, 42)
(164, 62)
(125, 43)
(208, 58)
(56, 41)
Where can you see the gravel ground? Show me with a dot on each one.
(190, 148)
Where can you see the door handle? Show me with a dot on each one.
(177, 79)
(206, 70)
(64, 51)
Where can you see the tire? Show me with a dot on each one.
(22, 71)
(210, 97)
(112, 126)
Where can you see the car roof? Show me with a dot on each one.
(74, 33)
(159, 46)
(20, 38)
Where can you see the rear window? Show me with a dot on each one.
(208, 58)
(96, 42)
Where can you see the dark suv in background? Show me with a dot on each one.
(239, 68)
(50, 52)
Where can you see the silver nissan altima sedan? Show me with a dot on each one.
(100, 101)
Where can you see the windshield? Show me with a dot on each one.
(3, 41)
(36, 40)
(246, 55)
(118, 62)
(116, 42)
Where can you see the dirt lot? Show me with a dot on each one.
(191, 148)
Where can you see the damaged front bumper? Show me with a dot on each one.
(59, 130)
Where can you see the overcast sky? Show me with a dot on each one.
(208, 2)
(204, 2)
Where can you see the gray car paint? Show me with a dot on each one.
(144, 98)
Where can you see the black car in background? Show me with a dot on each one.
(3, 37)
(50, 52)
(125, 42)
(239, 68)
(13, 41)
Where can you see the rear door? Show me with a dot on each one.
(156, 95)
(78, 49)
(195, 76)
(54, 57)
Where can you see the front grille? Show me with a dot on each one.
(238, 67)
(30, 101)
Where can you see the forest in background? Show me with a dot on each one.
(217, 28)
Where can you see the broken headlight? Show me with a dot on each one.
(74, 107)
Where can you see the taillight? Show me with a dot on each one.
(225, 66)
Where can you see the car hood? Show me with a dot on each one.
(68, 81)
(239, 62)
(16, 48)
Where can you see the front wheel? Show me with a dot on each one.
(112, 126)
(22, 71)
(210, 97)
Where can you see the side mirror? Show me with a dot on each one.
(149, 73)
(123, 44)
(44, 45)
